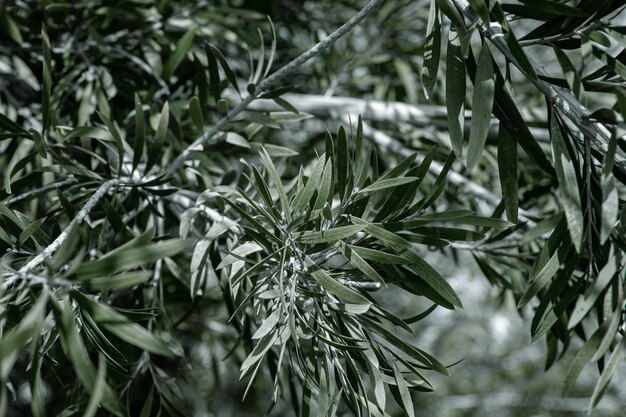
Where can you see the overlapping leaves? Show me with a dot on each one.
(310, 258)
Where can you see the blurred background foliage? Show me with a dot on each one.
(78, 81)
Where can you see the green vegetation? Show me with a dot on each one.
(205, 202)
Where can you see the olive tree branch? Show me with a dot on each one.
(562, 99)
(270, 82)
(34, 279)
(422, 115)
(42, 190)
(578, 32)
(80, 217)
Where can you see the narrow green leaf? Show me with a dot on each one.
(124, 280)
(28, 328)
(156, 150)
(482, 104)
(405, 395)
(410, 350)
(551, 256)
(266, 160)
(303, 198)
(616, 358)
(586, 302)
(239, 252)
(610, 198)
(214, 74)
(569, 190)
(386, 237)
(307, 400)
(495, 278)
(12, 127)
(237, 140)
(407, 78)
(182, 47)
(29, 231)
(452, 13)
(341, 162)
(609, 336)
(378, 256)
(46, 89)
(325, 186)
(289, 117)
(432, 50)
(148, 403)
(569, 70)
(361, 264)
(400, 168)
(323, 399)
(582, 358)
(74, 348)
(113, 216)
(439, 184)
(427, 273)
(616, 64)
(550, 310)
(543, 10)
(285, 105)
(115, 133)
(140, 132)
(358, 147)
(131, 258)
(434, 280)
(328, 145)
(480, 221)
(507, 112)
(331, 235)
(455, 92)
(480, 7)
(196, 112)
(8, 24)
(89, 132)
(545, 226)
(121, 326)
(445, 216)
(376, 378)
(397, 204)
(519, 54)
(385, 184)
(37, 404)
(333, 286)
(98, 388)
(507, 169)
(40, 145)
(268, 325)
(448, 233)
(262, 188)
(230, 75)
(198, 266)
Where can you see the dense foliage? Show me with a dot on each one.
(181, 187)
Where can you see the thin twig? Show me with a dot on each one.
(14, 276)
(548, 39)
(80, 217)
(496, 252)
(562, 98)
(42, 190)
(270, 82)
